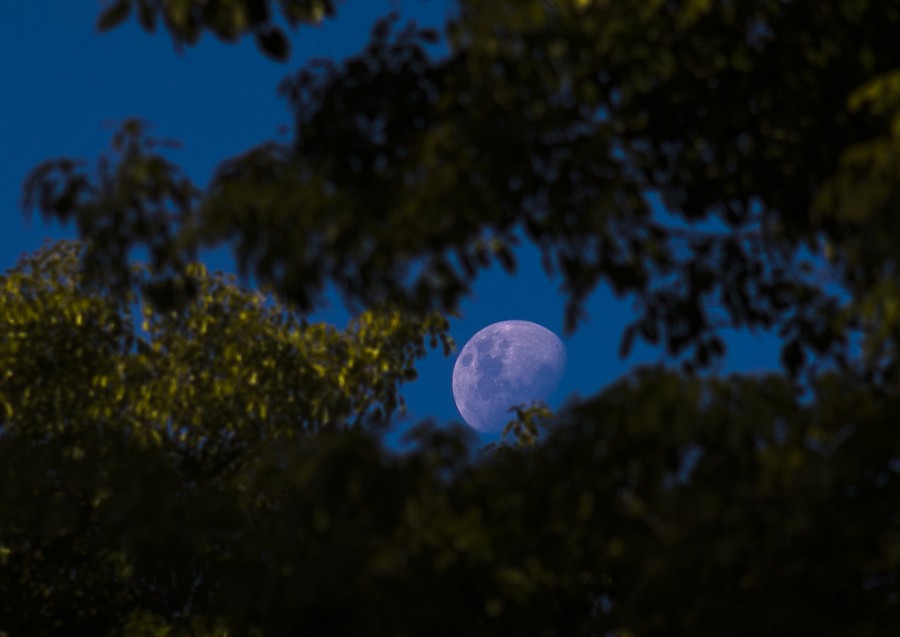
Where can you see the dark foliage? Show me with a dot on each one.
(724, 164)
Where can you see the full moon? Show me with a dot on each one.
(505, 364)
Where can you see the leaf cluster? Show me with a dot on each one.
(197, 476)
(727, 165)
(186, 20)
(182, 457)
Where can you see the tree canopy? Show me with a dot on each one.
(181, 456)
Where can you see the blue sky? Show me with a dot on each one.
(64, 87)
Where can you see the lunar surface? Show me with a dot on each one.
(506, 364)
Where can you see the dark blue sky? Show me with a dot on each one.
(64, 87)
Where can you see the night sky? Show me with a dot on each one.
(65, 87)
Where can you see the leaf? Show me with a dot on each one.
(792, 357)
(113, 15)
(146, 16)
(258, 12)
(273, 43)
(627, 340)
(507, 260)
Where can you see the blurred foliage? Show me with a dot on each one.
(220, 470)
(186, 20)
(766, 130)
(182, 457)
(107, 429)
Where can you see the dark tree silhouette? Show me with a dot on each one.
(726, 164)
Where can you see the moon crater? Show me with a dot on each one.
(505, 364)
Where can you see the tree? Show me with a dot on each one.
(223, 471)
(561, 125)
(97, 414)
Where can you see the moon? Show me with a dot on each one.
(505, 364)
